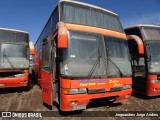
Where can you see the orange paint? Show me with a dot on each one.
(95, 30)
(152, 89)
(84, 99)
(62, 36)
(47, 91)
(32, 49)
(65, 83)
(14, 82)
(138, 41)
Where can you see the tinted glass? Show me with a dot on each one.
(14, 56)
(117, 51)
(11, 50)
(79, 14)
(151, 33)
(12, 36)
(55, 19)
(49, 28)
(154, 63)
(116, 47)
(46, 53)
(82, 53)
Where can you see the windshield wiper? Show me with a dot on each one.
(114, 64)
(8, 60)
(70, 60)
(95, 65)
(77, 58)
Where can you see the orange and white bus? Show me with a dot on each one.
(144, 44)
(82, 54)
(14, 58)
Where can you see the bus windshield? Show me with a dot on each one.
(13, 36)
(151, 33)
(117, 51)
(90, 16)
(154, 63)
(84, 52)
(14, 56)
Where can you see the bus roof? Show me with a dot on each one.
(142, 25)
(14, 30)
(80, 3)
(89, 5)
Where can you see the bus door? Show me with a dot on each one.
(140, 79)
(53, 71)
(138, 68)
(46, 73)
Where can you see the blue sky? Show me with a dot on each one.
(31, 15)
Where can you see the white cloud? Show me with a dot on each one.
(142, 19)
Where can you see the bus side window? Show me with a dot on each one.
(140, 67)
(46, 56)
(53, 55)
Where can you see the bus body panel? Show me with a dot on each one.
(7, 82)
(152, 89)
(47, 87)
(106, 83)
(95, 30)
(37, 67)
(82, 100)
(14, 82)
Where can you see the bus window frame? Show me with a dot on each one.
(48, 67)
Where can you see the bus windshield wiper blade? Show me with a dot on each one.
(70, 60)
(8, 60)
(114, 64)
(95, 64)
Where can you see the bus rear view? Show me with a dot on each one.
(14, 58)
(144, 44)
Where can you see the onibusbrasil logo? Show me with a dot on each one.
(21, 114)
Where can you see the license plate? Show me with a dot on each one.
(1, 84)
(79, 107)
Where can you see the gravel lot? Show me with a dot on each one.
(29, 99)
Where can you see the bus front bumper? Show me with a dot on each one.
(14, 82)
(153, 89)
(80, 101)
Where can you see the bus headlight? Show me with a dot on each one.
(152, 70)
(82, 90)
(155, 81)
(21, 75)
(74, 91)
(127, 86)
(70, 91)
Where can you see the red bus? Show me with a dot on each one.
(14, 53)
(144, 45)
(80, 56)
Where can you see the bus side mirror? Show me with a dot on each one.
(31, 47)
(62, 36)
(139, 42)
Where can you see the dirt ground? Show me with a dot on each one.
(29, 99)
